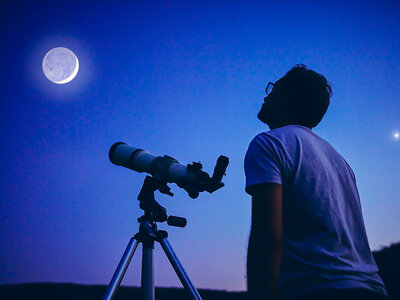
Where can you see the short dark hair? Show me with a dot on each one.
(308, 94)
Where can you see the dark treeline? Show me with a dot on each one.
(388, 260)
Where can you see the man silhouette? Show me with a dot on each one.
(307, 239)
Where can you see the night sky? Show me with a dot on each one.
(186, 79)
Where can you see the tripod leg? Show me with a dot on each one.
(121, 269)
(147, 273)
(183, 277)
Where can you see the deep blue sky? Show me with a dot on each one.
(183, 78)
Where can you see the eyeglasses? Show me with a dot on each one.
(269, 88)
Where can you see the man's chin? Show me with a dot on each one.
(266, 121)
(263, 118)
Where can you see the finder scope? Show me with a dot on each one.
(165, 168)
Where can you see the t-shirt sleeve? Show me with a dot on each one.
(262, 162)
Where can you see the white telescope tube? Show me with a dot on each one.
(140, 161)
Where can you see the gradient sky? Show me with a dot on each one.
(187, 79)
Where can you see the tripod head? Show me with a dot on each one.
(153, 211)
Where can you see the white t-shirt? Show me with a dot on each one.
(324, 239)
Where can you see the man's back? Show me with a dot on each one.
(324, 239)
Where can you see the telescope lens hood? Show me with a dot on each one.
(112, 151)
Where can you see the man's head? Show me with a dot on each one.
(300, 97)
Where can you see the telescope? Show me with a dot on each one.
(163, 169)
(167, 169)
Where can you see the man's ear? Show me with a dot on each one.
(287, 109)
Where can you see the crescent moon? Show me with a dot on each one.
(60, 65)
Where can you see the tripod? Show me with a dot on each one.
(148, 233)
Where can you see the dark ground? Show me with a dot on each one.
(59, 291)
(388, 260)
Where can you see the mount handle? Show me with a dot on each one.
(176, 221)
